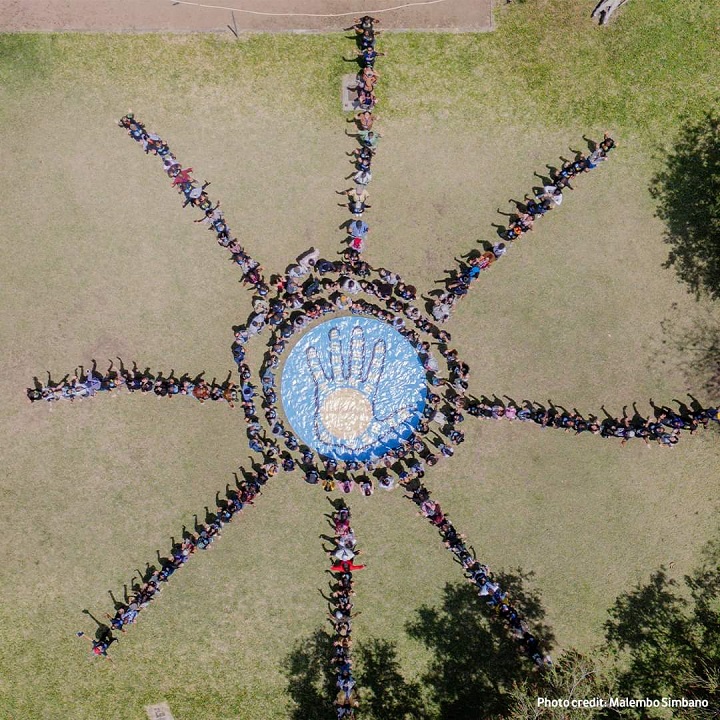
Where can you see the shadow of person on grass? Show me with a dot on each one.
(102, 631)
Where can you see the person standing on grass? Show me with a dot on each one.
(535, 209)
(364, 160)
(607, 144)
(355, 196)
(201, 391)
(362, 179)
(366, 79)
(364, 119)
(499, 249)
(182, 177)
(346, 567)
(117, 621)
(367, 38)
(368, 56)
(366, 100)
(552, 193)
(369, 139)
(357, 202)
(100, 647)
(361, 155)
(357, 208)
(358, 229)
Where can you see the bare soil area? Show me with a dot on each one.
(249, 15)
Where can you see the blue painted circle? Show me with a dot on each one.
(367, 361)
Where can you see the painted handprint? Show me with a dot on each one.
(368, 389)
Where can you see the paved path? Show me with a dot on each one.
(163, 15)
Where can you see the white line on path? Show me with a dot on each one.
(318, 15)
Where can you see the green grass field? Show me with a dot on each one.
(100, 260)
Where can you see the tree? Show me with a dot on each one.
(574, 676)
(688, 195)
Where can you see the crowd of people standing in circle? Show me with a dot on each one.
(311, 288)
(194, 194)
(342, 557)
(538, 203)
(345, 476)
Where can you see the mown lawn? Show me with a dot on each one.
(100, 260)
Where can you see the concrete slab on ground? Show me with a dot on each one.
(160, 711)
(348, 93)
(167, 16)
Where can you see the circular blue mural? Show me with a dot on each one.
(353, 388)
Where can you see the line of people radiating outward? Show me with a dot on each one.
(364, 101)
(194, 194)
(342, 556)
(309, 289)
(534, 206)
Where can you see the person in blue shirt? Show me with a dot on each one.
(358, 228)
(368, 56)
(366, 38)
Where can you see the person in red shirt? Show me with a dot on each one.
(346, 567)
(182, 177)
(201, 391)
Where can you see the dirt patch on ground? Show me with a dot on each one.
(164, 15)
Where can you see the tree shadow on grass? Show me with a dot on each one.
(311, 680)
(476, 662)
(688, 195)
(386, 694)
(696, 348)
(669, 636)
(649, 617)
